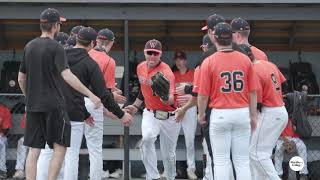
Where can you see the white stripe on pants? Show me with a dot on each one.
(230, 129)
(302, 152)
(72, 155)
(3, 153)
(189, 126)
(271, 122)
(169, 132)
(94, 138)
(43, 164)
(21, 154)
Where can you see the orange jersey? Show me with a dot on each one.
(184, 78)
(227, 78)
(270, 79)
(258, 54)
(196, 80)
(144, 74)
(107, 65)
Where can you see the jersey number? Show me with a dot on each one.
(233, 81)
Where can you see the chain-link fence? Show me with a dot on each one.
(13, 153)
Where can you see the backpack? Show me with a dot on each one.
(298, 113)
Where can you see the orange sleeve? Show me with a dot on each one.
(253, 82)
(196, 80)
(109, 75)
(205, 80)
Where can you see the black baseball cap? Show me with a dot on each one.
(51, 15)
(239, 24)
(180, 55)
(75, 29)
(62, 38)
(223, 31)
(207, 41)
(87, 34)
(212, 21)
(106, 34)
(72, 40)
(153, 45)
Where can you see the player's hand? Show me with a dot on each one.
(201, 119)
(90, 121)
(253, 123)
(119, 98)
(180, 89)
(126, 119)
(183, 99)
(96, 101)
(131, 109)
(109, 114)
(179, 114)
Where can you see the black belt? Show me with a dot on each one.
(154, 111)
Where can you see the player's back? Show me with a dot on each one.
(270, 79)
(258, 54)
(227, 77)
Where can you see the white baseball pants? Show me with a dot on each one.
(302, 152)
(271, 122)
(94, 138)
(169, 132)
(21, 154)
(189, 126)
(230, 130)
(3, 153)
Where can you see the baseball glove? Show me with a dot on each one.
(289, 146)
(160, 86)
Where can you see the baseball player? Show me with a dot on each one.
(241, 32)
(157, 118)
(231, 86)
(88, 71)
(184, 76)
(271, 120)
(43, 72)
(94, 134)
(5, 125)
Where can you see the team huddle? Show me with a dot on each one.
(234, 94)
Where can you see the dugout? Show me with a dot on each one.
(282, 28)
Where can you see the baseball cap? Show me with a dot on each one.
(106, 34)
(223, 31)
(212, 21)
(72, 40)
(87, 34)
(239, 24)
(153, 45)
(75, 29)
(51, 15)
(62, 38)
(207, 41)
(180, 55)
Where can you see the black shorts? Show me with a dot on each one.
(47, 127)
